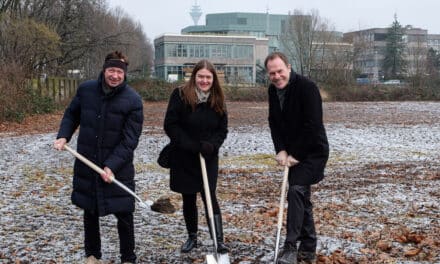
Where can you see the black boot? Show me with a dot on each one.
(221, 247)
(288, 255)
(306, 256)
(190, 243)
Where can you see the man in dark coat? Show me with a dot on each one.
(110, 116)
(300, 141)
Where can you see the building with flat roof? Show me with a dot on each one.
(237, 43)
(371, 44)
(238, 58)
(434, 41)
(261, 25)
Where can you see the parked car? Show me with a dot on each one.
(363, 80)
(392, 82)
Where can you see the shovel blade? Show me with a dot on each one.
(210, 259)
(223, 259)
(220, 259)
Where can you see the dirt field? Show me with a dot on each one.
(255, 113)
(379, 202)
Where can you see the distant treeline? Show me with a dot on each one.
(65, 39)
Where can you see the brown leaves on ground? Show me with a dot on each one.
(348, 206)
(394, 240)
(250, 113)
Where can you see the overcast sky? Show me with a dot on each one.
(170, 16)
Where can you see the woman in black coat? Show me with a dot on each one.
(196, 122)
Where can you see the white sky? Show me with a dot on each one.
(170, 16)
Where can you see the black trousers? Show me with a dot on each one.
(190, 209)
(92, 237)
(300, 224)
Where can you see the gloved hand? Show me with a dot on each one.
(206, 149)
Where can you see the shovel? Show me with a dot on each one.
(281, 211)
(144, 205)
(211, 258)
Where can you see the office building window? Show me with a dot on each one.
(238, 74)
(242, 21)
(220, 51)
(243, 51)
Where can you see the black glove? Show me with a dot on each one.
(206, 149)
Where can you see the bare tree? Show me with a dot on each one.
(417, 50)
(9, 5)
(87, 30)
(299, 36)
(334, 63)
(32, 48)
(361, 47)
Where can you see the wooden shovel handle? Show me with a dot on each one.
(281, 211)
(208, 201)
(86, 161)
(101, 171)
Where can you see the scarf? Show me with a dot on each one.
(202, 97)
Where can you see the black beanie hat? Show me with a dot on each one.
(118, 63)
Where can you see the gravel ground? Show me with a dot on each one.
(379, 202)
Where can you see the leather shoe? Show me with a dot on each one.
(222, 248)
(306, 257)
(288, 255)
(190, 243)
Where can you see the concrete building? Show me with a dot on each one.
(332, 60)
(434, 41)
(238, 58)
(370, 46)
(237, 43)
(261, 25)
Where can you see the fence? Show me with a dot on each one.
(57, 88)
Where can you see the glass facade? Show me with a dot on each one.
(233, 43)
(190, 50)
(251, 24)
(232, 73)
(238, 74)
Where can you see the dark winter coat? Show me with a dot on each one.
(186, 129)
(110, 126)
(298, 128)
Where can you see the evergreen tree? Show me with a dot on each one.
(433, 62)
(394, 64)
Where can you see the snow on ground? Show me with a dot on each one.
(369, 167)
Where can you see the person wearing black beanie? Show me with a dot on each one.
(109, 114)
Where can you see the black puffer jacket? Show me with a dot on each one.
(110, 126)
(186, 130)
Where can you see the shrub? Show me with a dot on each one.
(18, 99)
(380, 92)
(14, 98)
(245, 93)
(154, 89)
(41, 104)
(159, 90)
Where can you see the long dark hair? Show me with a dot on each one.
(216, 98)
